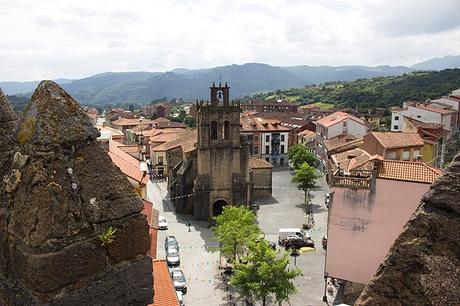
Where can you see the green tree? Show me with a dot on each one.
(190, 121)
(305, 177)
(235, 228)
(263, 273)
(299, 154)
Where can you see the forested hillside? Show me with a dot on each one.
(375, 92)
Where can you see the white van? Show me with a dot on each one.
(283, 233)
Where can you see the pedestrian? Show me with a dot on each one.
(189, 223)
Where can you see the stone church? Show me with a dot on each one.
(219, 171)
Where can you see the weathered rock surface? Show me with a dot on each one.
(423, 265)
(59, 192)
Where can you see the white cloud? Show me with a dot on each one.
(51, 39)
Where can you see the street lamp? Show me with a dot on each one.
(295, 253)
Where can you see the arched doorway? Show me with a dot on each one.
(218, 207)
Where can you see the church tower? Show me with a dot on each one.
(222, 155)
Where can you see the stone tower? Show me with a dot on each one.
(222, 155)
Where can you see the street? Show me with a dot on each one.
(200, 260)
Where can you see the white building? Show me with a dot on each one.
(426, 112)
(336, 124)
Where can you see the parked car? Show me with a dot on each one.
(180, 298)
(171, 241)
(179, 281)
(284, 233)
(162, 223)
(172, 257)
(295, 242)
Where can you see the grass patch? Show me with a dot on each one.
(323, 105)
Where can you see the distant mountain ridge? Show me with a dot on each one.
(247, 79)
(439, 63)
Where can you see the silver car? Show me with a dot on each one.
(179, 281)
(172, 256)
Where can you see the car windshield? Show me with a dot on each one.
(172, 240)
(162, 219)
(178, 276)
(173, 252)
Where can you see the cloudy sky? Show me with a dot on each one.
(72, 39)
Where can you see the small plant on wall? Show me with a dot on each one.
(107, 236)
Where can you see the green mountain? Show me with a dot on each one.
(247, 79)
(374, 92)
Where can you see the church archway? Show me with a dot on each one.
(218, 207)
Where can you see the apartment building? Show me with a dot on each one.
(427, 112)
(334, 125)
(268, 139)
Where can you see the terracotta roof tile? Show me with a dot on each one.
(251, 123)
(307, 133)
(342, 142)
(186, 140)
(337, 117)
(391, 140)
(355, 159)
(129, 165)
(132, 121)
(165, 294)
(407, 171)
(257, 163)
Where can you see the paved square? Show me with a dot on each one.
(199, 259)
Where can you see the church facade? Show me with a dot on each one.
(218, 171)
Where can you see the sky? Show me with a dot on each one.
(50, 39)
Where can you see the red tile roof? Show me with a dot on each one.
(186, 140)
(353, 160)
(165, 294)
(129, 165)
(133, 121)
(337, 117)
(392, 140)
(428, 107)
(250, 123)
(407, 171)
(257, 163)
(342, 142)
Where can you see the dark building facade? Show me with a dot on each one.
(218, 172)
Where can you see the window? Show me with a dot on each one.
(344, 124)
(214, 130)
(282, 149)
(281, 161)
(267, 138)
(406, 155)
(282, 137)
(267, 149)
(395, 127)
(418, 116)
(256, 150)
(417, 155)
(390, 155)
(256, 138)
(396, 118)
(226, 132)
(160, 160)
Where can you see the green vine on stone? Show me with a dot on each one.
(107, 236)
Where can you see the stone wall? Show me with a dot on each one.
(262, 182)
(61, 192)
